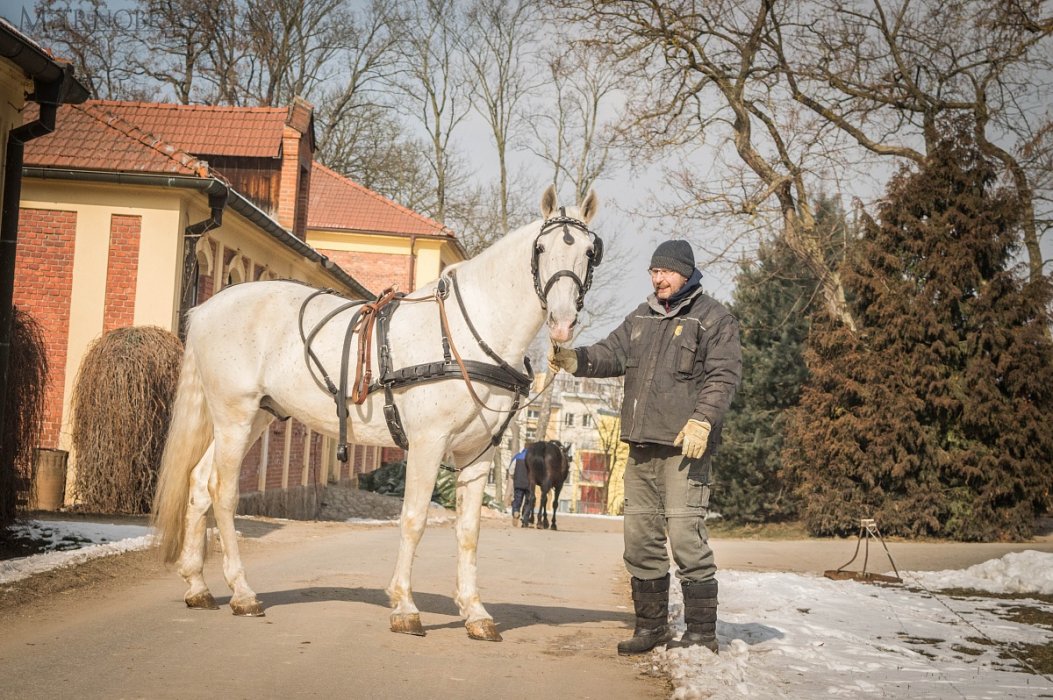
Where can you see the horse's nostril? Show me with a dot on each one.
(574, 322)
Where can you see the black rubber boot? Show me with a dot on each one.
(700, 615)
(651, 600)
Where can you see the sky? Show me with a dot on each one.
(622, 191)
(790, 635)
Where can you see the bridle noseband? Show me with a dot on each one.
(595, 256)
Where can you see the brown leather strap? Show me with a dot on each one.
(364, 328)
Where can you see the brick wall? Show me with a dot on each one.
(122, 270)
(248, 477)
(275, 455)
(376, 271)
(43, 287)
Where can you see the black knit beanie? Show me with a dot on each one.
(676, 256)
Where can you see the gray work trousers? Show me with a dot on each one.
(666, 496)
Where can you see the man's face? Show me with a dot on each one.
(666, 282)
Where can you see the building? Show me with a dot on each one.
(379, 242)
(138, 211)
(583, 413)
(28, 73)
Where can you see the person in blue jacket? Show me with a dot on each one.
(520, 484)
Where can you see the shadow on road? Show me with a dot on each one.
(507, 615)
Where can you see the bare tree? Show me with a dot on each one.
(292, 46)
(432, 84)
(173, 43)
(358, 98)
(705, 74)
(498, 40)
(572, 127)
(82, 32)
(891, 73)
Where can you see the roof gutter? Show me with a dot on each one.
(214, 188)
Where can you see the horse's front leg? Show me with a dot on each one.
(470, 485)
(422, 468)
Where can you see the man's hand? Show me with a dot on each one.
(694, 436)
(563, 358)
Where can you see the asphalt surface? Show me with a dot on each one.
(117, 627)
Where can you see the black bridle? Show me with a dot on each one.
(595, 256)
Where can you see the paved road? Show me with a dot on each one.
(558, 599)
(119, 629)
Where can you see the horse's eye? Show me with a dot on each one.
(540, 248)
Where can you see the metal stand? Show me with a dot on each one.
(867, 529)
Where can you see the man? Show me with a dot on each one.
(520, 484)
(680, 354)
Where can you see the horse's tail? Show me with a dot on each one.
(189, 435)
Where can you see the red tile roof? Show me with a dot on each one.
(90, 138)
(340, 203)
(210, 130)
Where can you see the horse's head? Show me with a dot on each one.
(565, 253)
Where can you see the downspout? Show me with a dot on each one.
(48, 94)
(413, 263)
(217, 201)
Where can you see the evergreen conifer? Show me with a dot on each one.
(935, 417)
(773, 302)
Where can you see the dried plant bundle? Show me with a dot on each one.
(27, 374)
(121, 404)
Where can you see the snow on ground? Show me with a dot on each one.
(71, 543)
(786, 635)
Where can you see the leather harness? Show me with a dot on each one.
(376, 315)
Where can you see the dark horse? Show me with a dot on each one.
(547, 467)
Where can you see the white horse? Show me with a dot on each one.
(244, 362)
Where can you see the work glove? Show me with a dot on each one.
(694, 436)
(563, 358)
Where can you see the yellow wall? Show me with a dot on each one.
(94, 205)
(165, 214)
(433, 254)
(13, 88)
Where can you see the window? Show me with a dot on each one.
(569, 420)
(532, 413)
(586, 420)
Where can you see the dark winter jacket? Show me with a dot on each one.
(678, 364)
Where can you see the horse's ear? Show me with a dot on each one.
(548, 202)
(589, 207)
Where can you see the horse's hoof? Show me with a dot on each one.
(250, 608)
(484, 630)
(552, 526)
(201, 601)
(407, 624)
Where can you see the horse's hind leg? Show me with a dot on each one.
(542, 510)
(555, 503)
(192, 557)
(422, 468)
(470, 485)
(231, 445)
(528, 508)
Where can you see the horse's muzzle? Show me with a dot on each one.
(560, 331)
